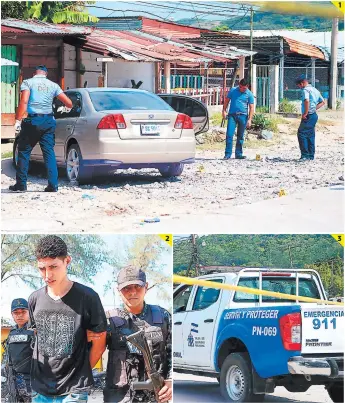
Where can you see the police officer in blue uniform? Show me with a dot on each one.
(125, 362)
(18, 350)
(37, 94)
(311, 102)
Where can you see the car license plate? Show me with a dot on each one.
(150, 130)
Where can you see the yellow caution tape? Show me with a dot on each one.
(339, 238)
(212, 284)
(339, 5)
(168, 238)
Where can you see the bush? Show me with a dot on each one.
(287, 107)
(268, 122)
(259, 121)
(263, 109)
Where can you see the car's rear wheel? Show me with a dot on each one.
(236, 383)
(172, 170)
(75, 170)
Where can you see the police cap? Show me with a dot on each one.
(42, 67)
(131, 275)
(301, 78)
(19, 303)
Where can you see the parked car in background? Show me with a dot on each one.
(119, 128)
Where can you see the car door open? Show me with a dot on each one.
(195, 109)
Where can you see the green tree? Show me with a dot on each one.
(18, 260)
(73, 12)
(145, 252)
(13, 9)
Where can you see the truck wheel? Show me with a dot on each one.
(336, 392)
(236, 384)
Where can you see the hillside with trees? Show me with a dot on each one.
(265, 21)
(319, 252)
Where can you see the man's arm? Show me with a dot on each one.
(306, 108)
(65, 100)
(251, 114)
(225, 106)
(165, 394)
(23, 104)
(97, 348)
(320, 104)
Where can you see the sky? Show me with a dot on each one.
(12, 289)
(172, 11)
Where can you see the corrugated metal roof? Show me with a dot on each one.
(40, 27)
(169, 29)
(304, 48)
(137, 46)
(5, 29)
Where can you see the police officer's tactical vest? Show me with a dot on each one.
(20, 345)
(125, 363)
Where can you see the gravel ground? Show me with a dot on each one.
(120, 203)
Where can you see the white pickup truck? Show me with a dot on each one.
(253, 343)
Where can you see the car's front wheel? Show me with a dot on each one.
(172, 170)
(75, 169)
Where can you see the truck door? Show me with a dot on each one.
(199, 327)
(181, 298)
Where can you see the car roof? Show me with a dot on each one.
(103, 89)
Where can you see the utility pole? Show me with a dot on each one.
(251, 43)
(334, 67)
(194, 262)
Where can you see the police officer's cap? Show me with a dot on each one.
(42, 67)
(301, 78)
(130, 275)
(19, 303)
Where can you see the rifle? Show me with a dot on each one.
(156, 381)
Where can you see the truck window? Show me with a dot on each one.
(286, 285)
(181, 299)
(206, 296)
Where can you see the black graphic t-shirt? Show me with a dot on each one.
(60, 363)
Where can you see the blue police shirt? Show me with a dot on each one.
(240, 100)
(313, 96)
(42, 93)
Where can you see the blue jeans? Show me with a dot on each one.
(37, 129)
(241, 122)
(71, 398)
(306, 136)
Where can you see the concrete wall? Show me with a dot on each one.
(120, 72)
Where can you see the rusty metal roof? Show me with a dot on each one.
(40, 27)
(304, 48)
(169, 29)
(138, 46)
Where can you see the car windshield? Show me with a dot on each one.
(130, 100)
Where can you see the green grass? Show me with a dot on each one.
(7, 154)
(216, 119)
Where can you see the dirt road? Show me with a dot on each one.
(209, 186)
(191, 388)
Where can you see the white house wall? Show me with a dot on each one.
(120, 73)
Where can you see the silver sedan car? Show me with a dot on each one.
(118, 128)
